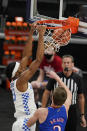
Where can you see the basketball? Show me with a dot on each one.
(61, 36)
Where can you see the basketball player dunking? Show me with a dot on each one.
(19, 76)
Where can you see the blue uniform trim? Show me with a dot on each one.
(13, 91)
(25, 98)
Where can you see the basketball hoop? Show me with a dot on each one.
(58, 33)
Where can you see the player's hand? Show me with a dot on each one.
(33, 27)
(36, 84)
(52, 74)
(41, 29)
(83, 121)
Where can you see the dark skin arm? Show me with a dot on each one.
(27, 51)
(27, 74)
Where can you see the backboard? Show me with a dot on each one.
(54, 8)
(58, 9)
(42, 9)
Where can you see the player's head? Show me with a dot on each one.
(59, 96)
(11, 70)
(67, 62)
(49, 53)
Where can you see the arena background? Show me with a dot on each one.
(77, 49)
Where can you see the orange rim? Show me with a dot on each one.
(64, 23)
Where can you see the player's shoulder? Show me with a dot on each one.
(42, 110)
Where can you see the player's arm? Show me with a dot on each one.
(45, 97)
(27, 74)
(47, 92)
(34, 118)
(41, 76)
(27, 50)
(40, 79)
(40, 115)
(53, 75)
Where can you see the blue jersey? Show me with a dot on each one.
(56, 119)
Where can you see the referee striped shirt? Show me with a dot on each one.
(74, 83)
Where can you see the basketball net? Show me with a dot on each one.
(56, 38)
(58, 32)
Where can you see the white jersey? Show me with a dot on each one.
(24, 101)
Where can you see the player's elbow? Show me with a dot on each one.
(39, 56)
(39, 59)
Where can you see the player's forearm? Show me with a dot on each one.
(23, 63)
(28, 47)
(44, 84)
(45, 98)
(27, 52)
(30, 122)
(40, 48)
(41, 75)
(40, 78)
(44, 101)
(39, 55)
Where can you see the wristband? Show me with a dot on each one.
(41, 84)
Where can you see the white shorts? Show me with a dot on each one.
(20, 125)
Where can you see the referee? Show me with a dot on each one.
(75, 84)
